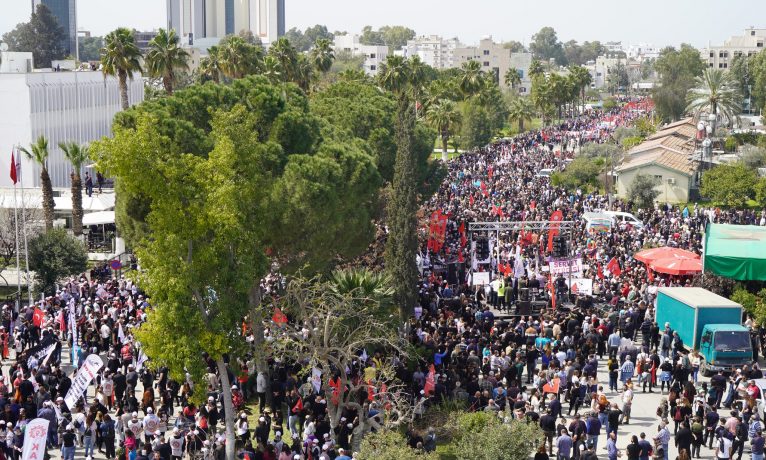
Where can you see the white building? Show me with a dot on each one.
(496, 59)
(600, 69)
(63, 107)
(15, 62)
(212, 20)
(374, 55)
(614, 47)
(643, 51)
(433, 50)
(748, 44)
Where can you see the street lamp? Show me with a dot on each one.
(711, 119)
(707, 149)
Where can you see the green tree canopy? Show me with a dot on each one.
(54, 255)
(304, 40)
(545, 46)
(643, 191)
(677, 70)
(42, 35)
(90, 48)
(392, 36)
(729, 184)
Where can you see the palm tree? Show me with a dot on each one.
(471, 78)
(374, 289)
(304, 73)
(322, 55)
(394, 74)
(211, 65)
(582, 79)
(444, 117)
(238, 58)
(121, 57)
(271, 69)
(717, 93)
(77, 155)
(165, 57)
(350, 75)
(521, 110)
(535, 68)
(285, 53)
(38, 152)
(512, 78)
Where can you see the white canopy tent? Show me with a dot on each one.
(98, 218)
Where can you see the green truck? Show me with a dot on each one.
(709, 323)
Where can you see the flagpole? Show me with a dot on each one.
(16, 238)
(24, 233)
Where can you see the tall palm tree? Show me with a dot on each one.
(512, 78)
(394, 74)
(38, 152)
(582, 79)
(287, 56)
(211, 65)
(535, 68)
(271, 69)
(304, 73)
(716, 92)
(238, 58)
(322, 55)
(121, 57)
(444, 117)
(77, 155)
(521, 110)
(471, 78)
(165, 57)
(372, 289)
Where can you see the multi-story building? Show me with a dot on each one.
(643, 51)
(433, 50)
(143, 39)
(65, 12)
(63, 107)
(748, 44)
(374, 55)
(614, 47)
(212, 20)
(496, 60)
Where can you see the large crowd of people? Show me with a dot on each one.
(542, 368)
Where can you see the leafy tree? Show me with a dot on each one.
(582, 172)
(593, 150)
(444, 117)
(535, 68)
(715, 92)
(543, 96)
(234, 58)
(54, 255)
(390, 445)
(545, 46)
(211, 67)
(618, 77)
(521, 110)
(757, 68)
(477, 127)
(322, 55)
(42, 35)
(484, 436)
(392, 36)
(753, 157)
(610, 104)
(165, 57)
(120, 57)
(515, 46)
(303, 41)
(581, 79)
(677, 70)
(77, 155)
(90, 48)
(643, 191)
(624, 132)
(760, 191)
(628, 143)
(471, 78)
(39, 153)
(729, 184)
(401, 246)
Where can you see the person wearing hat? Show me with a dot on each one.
(342, 455)
(68, 440)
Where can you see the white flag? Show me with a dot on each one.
(316, 378)
(35, 435)
(121, 334)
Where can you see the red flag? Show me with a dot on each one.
(62, 321)
(279, 317)
(489, 172)
(552, 386)
(532, 205)
(38, 317)
(370, 391)
(651, 276)
(556, 217)
(484, 190)
(600, 272)
(14, 172)
(614, 267)
(460, 258)
(430, 381)
(470, 200)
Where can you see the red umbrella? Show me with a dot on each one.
(676, 266)
(649, 255)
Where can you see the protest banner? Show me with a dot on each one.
(88, 371)
(565, 266)
(35, 436)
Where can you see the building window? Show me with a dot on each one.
(372, 55)
(712, 54)
(658, 178)
(522, 90)
(373, 68)
(486, 63)
(486, 52)
(711, 65)
(759, 45)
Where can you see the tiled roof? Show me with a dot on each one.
(662, 156)
(672, 142)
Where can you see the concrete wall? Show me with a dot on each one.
(669, 193)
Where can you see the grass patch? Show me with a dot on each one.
(512, 129)
(438, 155)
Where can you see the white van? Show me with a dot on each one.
(626, 218)
(545, 173)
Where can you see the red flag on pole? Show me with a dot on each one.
(484, 190)
(600, 272)
(556, 217)
(38, 317)
(614, 267)
(552, 386)
(14, 171)
(470, 200)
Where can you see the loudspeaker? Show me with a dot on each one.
(524, 294)
(525, 308)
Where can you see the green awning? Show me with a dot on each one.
(735, 251)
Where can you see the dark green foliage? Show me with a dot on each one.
(42, 35)
(54, 255)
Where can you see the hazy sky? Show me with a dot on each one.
(660, 22)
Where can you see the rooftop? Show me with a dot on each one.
(661, 156)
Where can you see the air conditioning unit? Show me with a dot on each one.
(671, 180)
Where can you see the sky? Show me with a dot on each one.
(658, 22)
